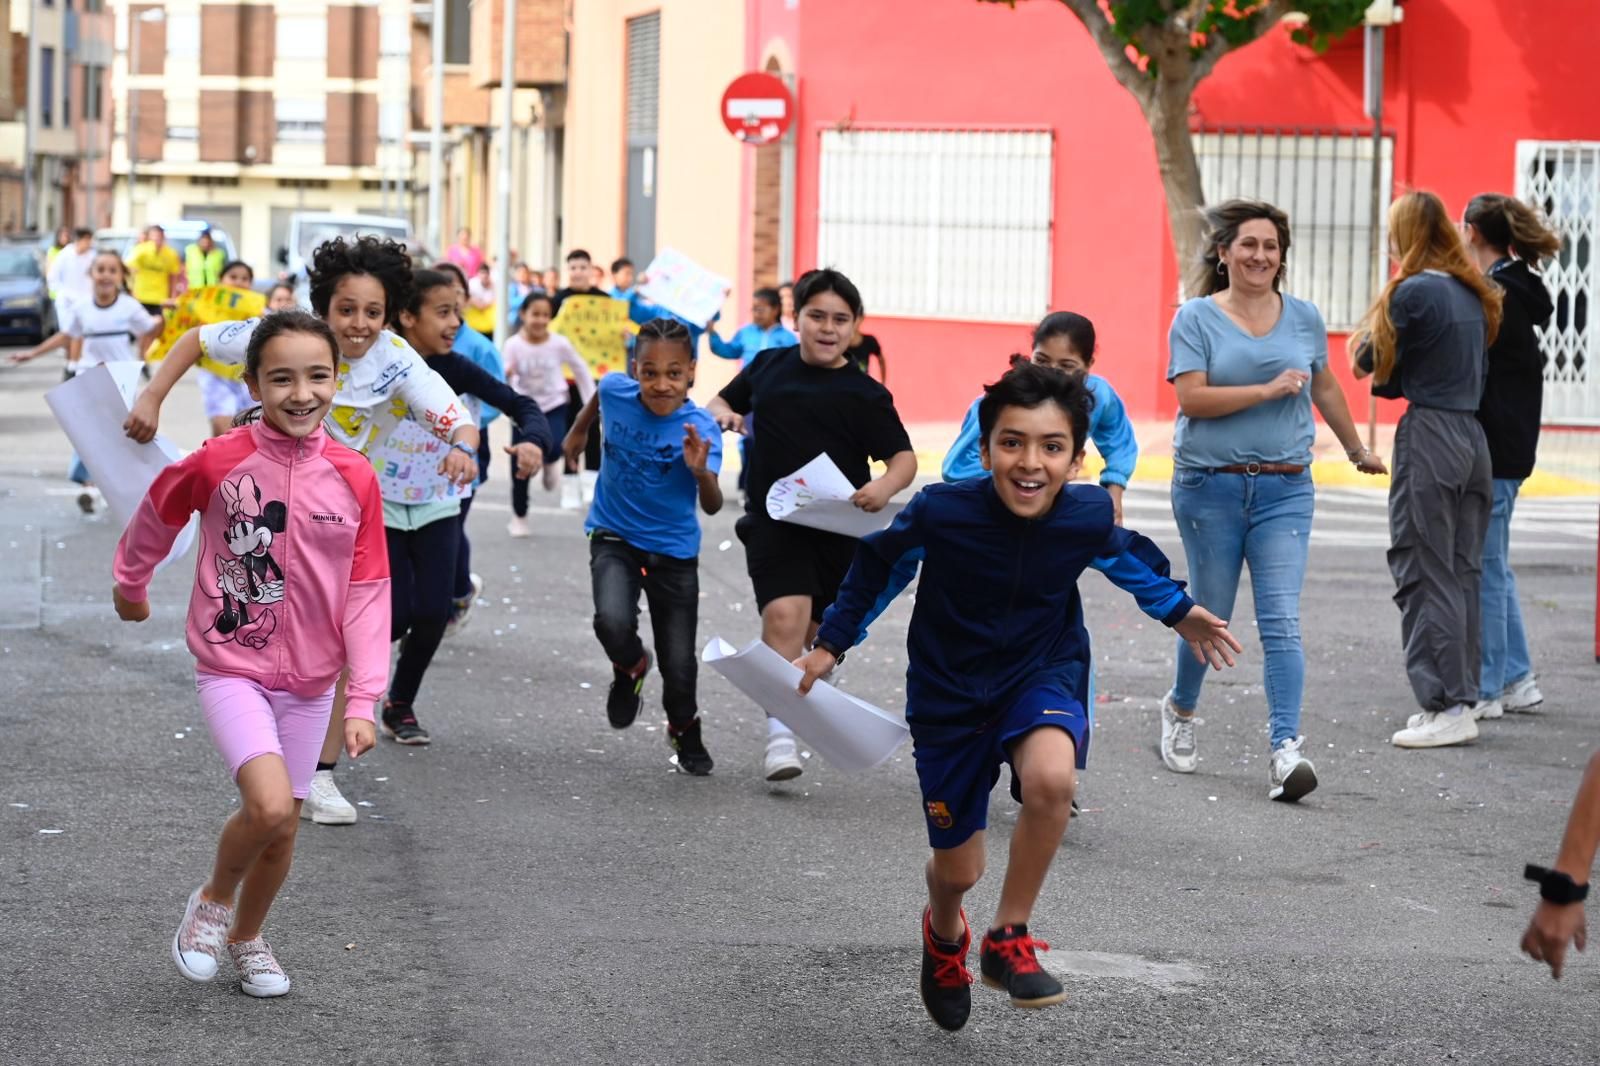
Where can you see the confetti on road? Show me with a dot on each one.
(51, 832)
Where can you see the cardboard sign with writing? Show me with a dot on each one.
(408, 467)
(596, 327)
(684, 287)
(202, 307)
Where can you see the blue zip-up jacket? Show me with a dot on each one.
(1109, 428)
(750, 341)
(998, 610)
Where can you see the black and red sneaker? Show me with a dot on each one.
(625, 699)
(1008, 962)
(946, 981)
(693, 758)
(399, 722)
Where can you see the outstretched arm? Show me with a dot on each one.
(146, 414)
(1555, 925)
(1330, 400)
(57, 340)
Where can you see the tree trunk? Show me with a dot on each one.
(1167, 111)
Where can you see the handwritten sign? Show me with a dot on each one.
(408, 467)
(818, 495)
(202, 307)
(684, 287)
(596, 327)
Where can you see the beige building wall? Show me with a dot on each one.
(698, 176)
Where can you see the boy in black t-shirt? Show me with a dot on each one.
(809, 399)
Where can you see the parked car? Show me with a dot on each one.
(307, 229)
(27, 314)
(180, 235)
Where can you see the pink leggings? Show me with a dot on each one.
(247, 721)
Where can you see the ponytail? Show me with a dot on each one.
(1507, 223)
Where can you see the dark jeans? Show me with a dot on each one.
(463, 582)
(422, 570)
(671, 586)
(591, 447)
(557, 418)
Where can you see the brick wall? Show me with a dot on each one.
(764, 231)
(258, 125)
(152, 57)
(237, 40)
(232, 120)
(352, 129)
(541, 48)
(148, 119)
(352, 41)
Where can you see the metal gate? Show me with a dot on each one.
(1562, 179)
(644, 109)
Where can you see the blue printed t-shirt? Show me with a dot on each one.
(1204, 338)
(646, 493)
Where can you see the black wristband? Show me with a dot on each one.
(1555, 886)
(838, 656)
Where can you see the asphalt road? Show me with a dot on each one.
(538, 888)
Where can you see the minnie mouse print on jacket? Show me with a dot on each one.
(293, 574)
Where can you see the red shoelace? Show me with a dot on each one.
(1018, 952)
(951, 969)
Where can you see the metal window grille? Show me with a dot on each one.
(949, 224)
(1323, 180)
(1563, 181)
(644, 76)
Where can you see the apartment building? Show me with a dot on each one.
(241, 114)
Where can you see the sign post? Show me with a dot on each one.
(757, 108)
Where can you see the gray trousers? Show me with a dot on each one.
(1440, 496)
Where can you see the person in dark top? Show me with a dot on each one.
(1508, 240)
(808, 400)
(864, 348)
(1428, 334)
(580, 282)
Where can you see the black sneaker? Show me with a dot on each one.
(946, 981)
(622, 702)
(400, 723)
(1008, 963)
(693, 758)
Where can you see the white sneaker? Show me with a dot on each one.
(461, 610)
(259, 972)
(783, 758)
(1522, 696)
(1436, 729)
(587, 481)
(1480, 710)
(325, 804)
(517, 527)
(1291, 775)
(1178, 748)
(571, 492)
(200, 936)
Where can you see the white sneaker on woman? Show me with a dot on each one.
(1291, 774)
(1178, 748)
(325, 804)
(1437, 729)
(1522, 696)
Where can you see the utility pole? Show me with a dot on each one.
(508, 88)
(32, 108)
(436, 139)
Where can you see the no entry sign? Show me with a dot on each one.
(757, 108)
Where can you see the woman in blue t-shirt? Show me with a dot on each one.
(1248, 361)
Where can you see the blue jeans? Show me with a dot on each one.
(1227, 520)
(1505, 643)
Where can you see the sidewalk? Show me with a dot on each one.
(1568, 465)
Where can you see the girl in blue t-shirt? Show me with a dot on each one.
(662, 456)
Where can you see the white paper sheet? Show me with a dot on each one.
(91, 409)
(849, 733)
(818, 495)
(684, 287)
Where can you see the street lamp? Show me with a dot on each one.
(150, 14)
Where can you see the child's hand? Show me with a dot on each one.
(459, 467)
(1208, 636)
(1115, 492)
(732, 422)
(696, 449)
(815, 665)
(872, 497)
(18, 358)
(359, 736)
(1368, 463)
(143, 419)
(572, 447)
(529, 458)
(1552, 928)
(127, 609)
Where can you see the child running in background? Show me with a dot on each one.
(535, 359)
(421, 506)
(280, 297)
(808, 400)
(223, 397)
(999, 664)
(357, 287)
(760, 334)
(662, 454)
(271, 646)
(109, 327)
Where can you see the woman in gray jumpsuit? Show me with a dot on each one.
(1426, 339)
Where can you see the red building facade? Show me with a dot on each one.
(974, 165)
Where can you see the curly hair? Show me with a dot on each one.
(385, 260)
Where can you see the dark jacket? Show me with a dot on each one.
(998, 611)
(1513, 395)
(468, 378)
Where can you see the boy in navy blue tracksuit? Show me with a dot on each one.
(999, 663)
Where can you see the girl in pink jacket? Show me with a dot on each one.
(292, 583)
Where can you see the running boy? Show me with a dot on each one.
(999, 664)
(269, 638)
(807, 400)
(662, 454)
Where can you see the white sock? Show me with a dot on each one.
(776, 728)
(1457, 709)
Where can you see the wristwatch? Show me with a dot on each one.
(462, 447)
(1555, 886)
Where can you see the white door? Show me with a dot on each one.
(1562, 179)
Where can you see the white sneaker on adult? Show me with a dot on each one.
(1522, 696)
(783, 758)
(198, 942)
(1437, 729)
(518, 527)
(1178, 748)
(1487, 709)
(325, 804)
(259, 972)
(1291, 774)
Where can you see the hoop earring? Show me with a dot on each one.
(1222, 268)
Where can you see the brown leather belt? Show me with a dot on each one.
(1261, 468)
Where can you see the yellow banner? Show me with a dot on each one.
(597, 328)
(202, 307)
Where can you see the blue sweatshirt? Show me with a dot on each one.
(750, 341)
(1108, 428)
(998, 610)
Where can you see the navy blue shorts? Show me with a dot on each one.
(958, 768)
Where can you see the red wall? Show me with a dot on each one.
(1467, 80)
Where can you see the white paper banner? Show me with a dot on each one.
(684, 287)
(849, 733)
(91, 409)
(818, 495)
